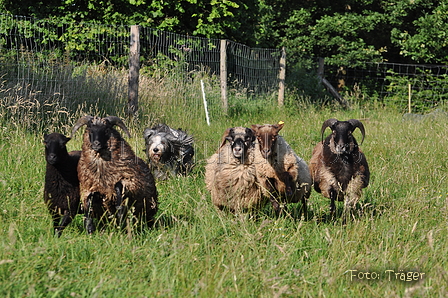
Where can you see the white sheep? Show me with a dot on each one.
(284, 177)
(230, 174)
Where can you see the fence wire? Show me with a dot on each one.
(47, 53)
(47, 59)
(395, 83)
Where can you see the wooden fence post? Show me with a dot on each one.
(223, 74)
(330, 88)
(134, 69)
(281, 78)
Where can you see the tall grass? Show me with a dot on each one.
(194, 250)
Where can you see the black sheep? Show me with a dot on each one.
(61, 191)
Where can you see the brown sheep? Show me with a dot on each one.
(338, 166)
(284, 176)
(112, 178)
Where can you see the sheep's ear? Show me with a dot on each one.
(226, 136)
(255, 127)
(279, 126)
(250, 135)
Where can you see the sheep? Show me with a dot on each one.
(169, 151)
(284, 176)
(338, 166)
(61, 190)
(112, 178)
(230, 174)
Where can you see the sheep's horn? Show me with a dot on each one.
(81, 121)
(225, 136)
(327, 123)
(356, 123)
(114, 120)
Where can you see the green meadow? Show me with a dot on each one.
(396, 247)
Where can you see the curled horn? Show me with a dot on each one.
(81, 121)
(356, 123)
(328, 123)
(225, 136)
(114, 120)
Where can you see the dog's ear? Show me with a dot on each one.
(171, 138)
(148, 133)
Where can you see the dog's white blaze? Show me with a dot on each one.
(156, 142)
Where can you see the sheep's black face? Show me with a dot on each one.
(55, 147)
(342, 140)
(239, 142)
(98, 136)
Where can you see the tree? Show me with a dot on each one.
(427, 40)
(231, 19)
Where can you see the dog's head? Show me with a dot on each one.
(159, 146)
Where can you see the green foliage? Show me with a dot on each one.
(347, 34)
(428, 42)
(303, 82)
(428, 91)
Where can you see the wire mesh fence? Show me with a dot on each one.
(71, 63)
(423, 86)
(45, 59)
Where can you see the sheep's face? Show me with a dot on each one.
(55, 147)
(240, 139)
(341, 140)
(99, 134)
(267, 136)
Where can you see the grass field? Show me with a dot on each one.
(396, 248)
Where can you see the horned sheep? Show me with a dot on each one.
(338, 166)
(112, 178)
(61, 190)
(284, 176)
(230, 174)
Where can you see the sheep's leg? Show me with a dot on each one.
(66, 220)
(272, 191)
(275, 204)
(333, 196)
(88, 220)
(56, 220)
(304, 207)
(121, 210)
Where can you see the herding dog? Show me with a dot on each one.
(169, 151)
